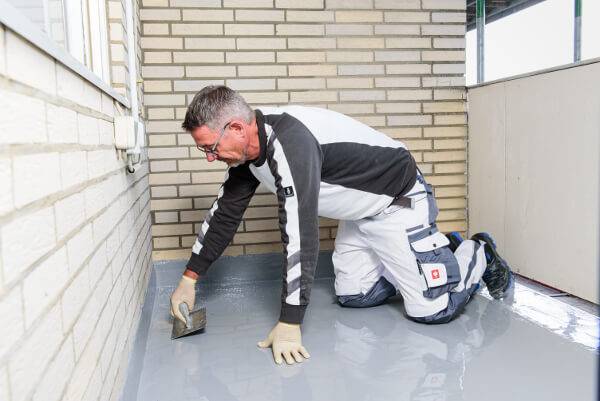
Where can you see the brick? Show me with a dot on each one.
(362, 95)
(196, 3)
(117, 32)
(420, 94)
(408, 43)
(402, 133)
(458, 226)
(299, 30)
(11, 310)
(198, 57)
(170, 204)
(450, 192)
(409, 120)
(260, 43)
(450, 94)
(451, 203)
(118, 53)
(372, 121)
(450, 144)
(260, 15)
(310, 16)
(398, 82)
(199, 164)
(43, 285)
(171, 229)
(73, 87)
(443, 30)
(62, 124)
(416, 145)
(160, 15)
(28, 64)
(408, 69)
(352, 108)
(394, 4)
(210, 72)
(444, 4)
(80, 247)
(164, 140)
(89, 133)
(365, 69)
(188, 242)
(210, 43)
(73, 169)
(163, 192)
(313, 96)
(360, 43)
(193, 216)
(161, 166)
(192, 85)
(153, 127)
(157, 58)
(156, 29)
(262, 71)
(157, 86)
(163, 72)
(29, 361)
(250, 57)
(251, 84)
(161, 43)
(449, 43)
(349, 29)
(166, 217)
(390, 29)
(17, 108)
(2, 72)
(438, 180)
(265, 97)
(257, 237)
(399, 108)
(164, 100)
(449, 17)
(57, 374)
(397, 55)
(445, 107)
(70, 213)
(264, 248)
(445, 156)
(248, 3)
(171, 255)
(249, 29)
(449, 69)
(169, 178)
(443, 81)
(6, 183)
(74, 297)
(312, 70)
(106, 131)
(197, 29)
(349, 56)
(450, 119)
(35, 177)
(350, 83)
(315, 4)
(208, 15)
(166, 242)
(301, 83)
(441, 132)
(260, 212)
(358, 16)
(350, 4)
(262, 225)
(406, 16)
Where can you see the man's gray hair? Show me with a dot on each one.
(215, 106)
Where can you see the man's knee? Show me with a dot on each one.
(380, 291)
(456, 304)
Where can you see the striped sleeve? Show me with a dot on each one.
(295, 161)
(223, 218)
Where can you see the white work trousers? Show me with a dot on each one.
(368, 248)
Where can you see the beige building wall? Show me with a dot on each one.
(75, 240)
(396, 65)
(534, 174)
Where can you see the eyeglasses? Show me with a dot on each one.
(212, 151)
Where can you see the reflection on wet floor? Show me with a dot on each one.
(526, 347)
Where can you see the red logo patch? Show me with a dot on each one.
(435, 274)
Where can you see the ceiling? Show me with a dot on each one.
(496, 9)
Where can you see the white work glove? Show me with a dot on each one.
(185, 292)
(286, 340)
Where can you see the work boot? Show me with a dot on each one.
(455, 240)
(497, 275)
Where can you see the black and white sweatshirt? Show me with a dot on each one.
(319, 163)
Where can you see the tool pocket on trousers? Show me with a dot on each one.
(433, 207)
(437, 264)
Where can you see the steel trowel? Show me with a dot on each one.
(194, 322)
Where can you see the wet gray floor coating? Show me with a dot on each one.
(526, 347)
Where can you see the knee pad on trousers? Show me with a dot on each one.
(456, 303)
(380, 291)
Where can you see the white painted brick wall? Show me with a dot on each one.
(35, 176)
(11, 310)
(73, 168)
(62, 124)
(24, 240)
(79, 247)
(6, 183)
(42, 286)
(18, 109)
(70, 213)
(57, 374)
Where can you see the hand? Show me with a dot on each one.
(286, 340)
(185, 292)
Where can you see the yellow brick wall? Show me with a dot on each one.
(396, 65)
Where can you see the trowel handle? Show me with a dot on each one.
(183, 308)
